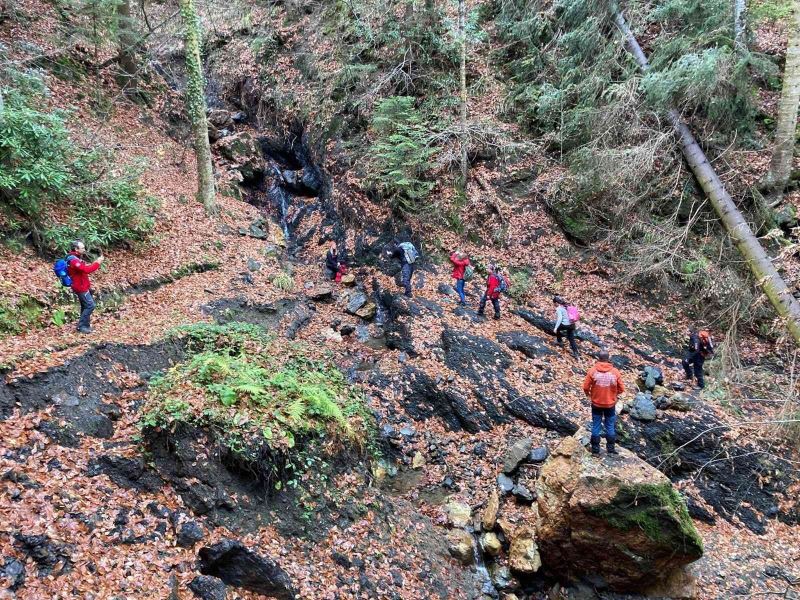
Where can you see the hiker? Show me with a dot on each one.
(78, 271)
(407, 254)
(494, 286)
(701, 346)
(564, 325)
(332, 263)
(603, 384)
(460, 263)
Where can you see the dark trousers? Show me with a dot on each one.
(405, 277)
(87, 308)
(570, 331)
(693, 366)
(460, 290)
(495, 304)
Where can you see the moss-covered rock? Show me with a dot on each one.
(616, 519)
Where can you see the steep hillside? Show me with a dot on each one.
(236, 424)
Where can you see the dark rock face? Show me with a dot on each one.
(189, 534)
(49, 556)
(127, 473)
(207, 587)
(530, 345)
(236, 565)
(542, 412)
(546, 325)
(476, 357)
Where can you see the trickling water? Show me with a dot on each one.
(481, 571)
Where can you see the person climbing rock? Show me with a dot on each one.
(460, 263)
(407, 254)
(603, 385)
(332, 263)
(79, 271)
(701, 346)
(564, 325)
(494, 285)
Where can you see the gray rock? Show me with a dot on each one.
(189, 534)
(643, 408)
(520, 492)
(538, 455)
(515, 454)
(14, 571)
(505, 483)
(239, 566)
(320, 292)
(206, 587)
(356, 301)
(253, 265)
(407, 431)
(652, 376)
(446, 289)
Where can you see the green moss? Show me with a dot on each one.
(659, 511)
(18, 315)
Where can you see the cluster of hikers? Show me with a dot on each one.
(602, 384)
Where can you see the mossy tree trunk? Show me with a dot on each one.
(740, 25)
(462, 32)
(128, 43)
(196, 106)
(786, 131)
(760, 264)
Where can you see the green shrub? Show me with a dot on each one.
(237, 383)
(52, 190)
(19, 315)
(401, 154)
(283, 281)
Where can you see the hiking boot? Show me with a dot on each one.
(84, 330)
(497, 317)
(595, 445)
(480, 313)
(611, 447)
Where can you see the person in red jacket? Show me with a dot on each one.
(460, 262)
(492, 292)
(603, 384)
(79, 270)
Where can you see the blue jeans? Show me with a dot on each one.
(87, 308)
(405, 277)
(601, 415)
(460, 290)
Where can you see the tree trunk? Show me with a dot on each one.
(780, 166)
(462, 32)
(740, 25)
(128, 43)
(196, 106)
(766, 274)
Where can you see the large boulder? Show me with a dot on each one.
(616, 520)
(245, 154)
(238, 566)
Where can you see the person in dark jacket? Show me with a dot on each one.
(397, 251)
(332, 261)
(460, 263)
(492, 292)
(79, 271)
(700, 347)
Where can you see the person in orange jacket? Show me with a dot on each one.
(603, 384)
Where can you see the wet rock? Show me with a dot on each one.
(505, 483)
(489, 516)
(461, 545)
(321, 292)
(14, 571)
(502, 578)
(523, 494)
(516, 453)
(619, 508)
(50, 557)
(650, 377)
(189, 534)
(458, 514)
(474, 356)
(99, 426)
(206, 587)
(490, 544)
(642, 408)
(523, 555)
(63, 435)
(538, 455)
(301, 317)
(446, 289)
(530, 345)
(236, 565)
